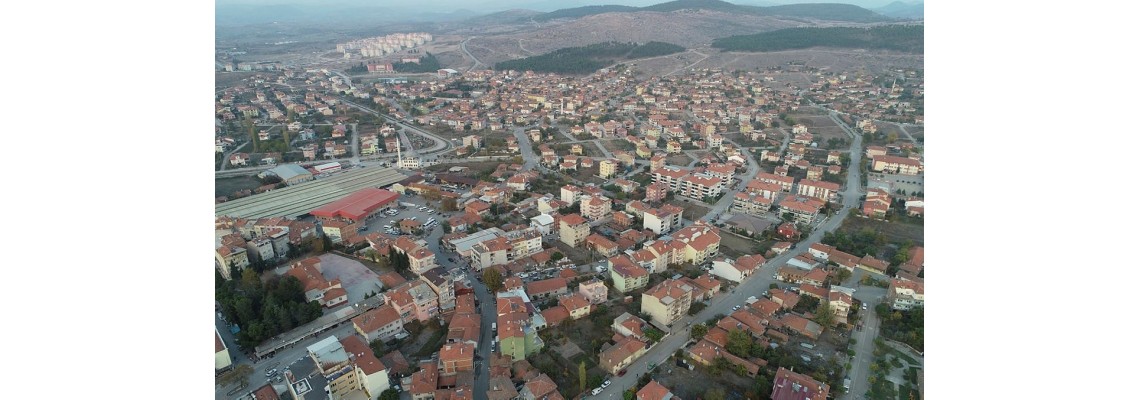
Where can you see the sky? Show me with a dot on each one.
(538, 5)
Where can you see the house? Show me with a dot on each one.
(595, 291)
(540, 388)
(546, 288)
(706, 352)
(573, 230)
(656, 192)
(595, 207)
(628, 324)
(654, 391)
(621, 354)
(317, 288)
(904, 294)
(873, 264)
(751, 204)
(738, 270)
(602, 245)
(877, 204)
(382, 323)
(896, 165)
(626, 275)
(705, 286)
(825, 191)
(803, 209)
(667, 302)
(456, 357)
(517, 325)
(801, 326)
(789, 385)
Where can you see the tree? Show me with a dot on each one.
(493, 279)
(582, 376)
(824, 314)
(843, 275)
(739, 343)
(390, 394)
(698, 331)
(556, 256)
(239, 373)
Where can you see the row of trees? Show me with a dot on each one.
(263, 310)
(903, 38)
(428, 63)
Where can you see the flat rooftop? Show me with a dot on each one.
(298, 200)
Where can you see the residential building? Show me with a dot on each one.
(626, 275)
(229, 257)
(700, 186)
(222, 359)
(595, 207)
(317, 288)
(595, 291)
(877, 204)
(656, 191)
(546, 288)
(654, 390)
(573, 230)
(662, 219)
(382, 323)
(905, 295)
(620, 355)
(825, 191)
(751, 204)
(803, 209)
(607, 168)
(544, 223)
(413, 300)
(517, 329)
(628, 324)
(440, 282)
(667, 302)
(896, 165)
(456, 357)
(789, 385)
(604, 246)
(739, 270)
(349, 366)
(785, 182)
(702, 242)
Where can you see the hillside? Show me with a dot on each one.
(587, 59)
(830, 12)
(902, 10)
(903, 38)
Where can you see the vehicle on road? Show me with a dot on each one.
(271, 372)
(736, 307)
(622, 372)
(595, 391)
(606, 384)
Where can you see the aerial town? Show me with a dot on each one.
(486, 233)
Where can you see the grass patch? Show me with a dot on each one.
(893, 231)
(433, 343)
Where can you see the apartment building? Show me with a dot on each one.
(667, 302)
(573, 230)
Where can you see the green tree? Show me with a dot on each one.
(739, 343)
(716, 393)
(582, 376)
(824, 314)
(493, 279)
(390, 394)
(556, 256)
(698, 331)
(240, 373)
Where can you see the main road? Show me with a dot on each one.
(753, 286)
(439, 145)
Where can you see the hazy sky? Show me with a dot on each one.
(538, 5)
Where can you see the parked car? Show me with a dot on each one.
(622, 372)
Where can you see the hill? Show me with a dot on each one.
(579, 12)
(902, 10)
(903, 38)
(832, 12)
(587, 59)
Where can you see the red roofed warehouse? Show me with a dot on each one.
(356, 206)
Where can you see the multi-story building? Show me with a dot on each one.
(626, 275)
(739, 270)
(785, 182)
(877, 204)
(573, 230)
(517, 329)
(595, 291)
(413, 300)
(667, 302)
(230, 257)
(570, 194)
(490, 253)
(382, 323)
(663, 219)
(821, 190)
(656, 191)
(222, 357)
(702, 242)
(456, 357)
(750, 204)
(349, 366)
(420, 258)
(896, 165)
(670, 176)
(803, 209)
(441, 283)
(595, 207)
(700, 186)
(905, 295)
(607, 168)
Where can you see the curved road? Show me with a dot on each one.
(463, 45)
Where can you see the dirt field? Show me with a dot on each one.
(680, 160)
(735, 246)
(694, 384)
(693, 210)
(822, 126)
(895, 232)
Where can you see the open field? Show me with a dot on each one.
(822, 126)
(227, 186)
(895, 232)
(735, 246)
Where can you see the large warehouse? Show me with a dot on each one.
(357, 206)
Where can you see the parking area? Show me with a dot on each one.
(355, 277)
(408, 207)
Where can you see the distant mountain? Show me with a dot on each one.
(903, 10)
(902, 38)
(832, 12)
(579, 12)
(514, 15)
(827, 11)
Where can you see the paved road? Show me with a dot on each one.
(530, 160)
(226, 156)
(864, 340)
(754, 286)
(703, 57)
(902, 127)
(439, 145)
(355, 145)
(463, 45)
(729, 192)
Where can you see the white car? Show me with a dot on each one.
(595, 391)
(736, 307)
(605, 384)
